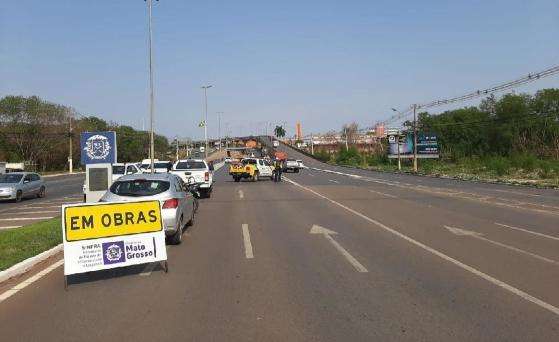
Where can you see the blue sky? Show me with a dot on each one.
(323, 63)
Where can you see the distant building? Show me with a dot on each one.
(298, 131)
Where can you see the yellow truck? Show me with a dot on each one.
(251, 168)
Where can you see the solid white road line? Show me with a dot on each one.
(528, 231)
(382, 193)
(334, 181)
(10, 227)
(479, 236)
(30, 281)
(241, 194)
(441, 255)
(248, 245)
(25, 218)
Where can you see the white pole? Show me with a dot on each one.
(151, 108)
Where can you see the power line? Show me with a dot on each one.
(532, 77)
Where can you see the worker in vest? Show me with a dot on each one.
(278, 165)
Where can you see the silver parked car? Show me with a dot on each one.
(177, 203)
(19, 185)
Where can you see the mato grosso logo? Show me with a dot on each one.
(97, 147)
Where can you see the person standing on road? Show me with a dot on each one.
(278, 165)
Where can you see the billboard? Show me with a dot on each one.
(427, 145)
(98, 147)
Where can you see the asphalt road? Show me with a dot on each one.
(60, 190)
(411, 259)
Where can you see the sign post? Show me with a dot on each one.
(100, 236)
(98, 153)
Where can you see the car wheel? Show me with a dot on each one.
(237, 179)
(176, 239)
(191, 221)
(41, 193)
(19, 196)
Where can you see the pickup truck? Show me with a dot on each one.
(197, 169)
(252, 168)
(292, 165)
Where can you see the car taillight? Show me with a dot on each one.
(247, 169)
(171, 203)
(207, 176)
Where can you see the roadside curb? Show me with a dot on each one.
(63, 174)
(27, 264)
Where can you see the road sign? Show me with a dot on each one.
(98, 148)
(100, 236)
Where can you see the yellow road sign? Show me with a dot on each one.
(85, 222)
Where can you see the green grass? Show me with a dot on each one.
(19, 244)
(515, 169)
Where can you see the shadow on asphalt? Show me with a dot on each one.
(90, 277)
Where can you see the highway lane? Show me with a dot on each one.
(60, 190)
(299, 286)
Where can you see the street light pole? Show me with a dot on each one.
(151, 106)
(219, 128)
(206, 117)
(414, 139)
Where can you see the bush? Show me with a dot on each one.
(500, 165)
(349, 157)
(377, 159)
(322, 156)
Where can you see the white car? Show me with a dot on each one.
(197, 169)
(292, 165)
(227, 160)
(264, 167)
(160, 166)
(121, 169)
(177, 203)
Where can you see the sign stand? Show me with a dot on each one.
(104, 236)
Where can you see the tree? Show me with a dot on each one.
(279, 131)
(349, 132)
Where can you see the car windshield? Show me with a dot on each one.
(139, 187)
(161, 165)
(190, 164)
(118, 169)
(249, 161)
(8, 178)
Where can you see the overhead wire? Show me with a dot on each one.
(531, 77)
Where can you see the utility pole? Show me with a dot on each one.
(151, 106)
(219, 128)
(177, 156)
(70, 163)
(398, 147)
(206, 117)
(345, 132)
(414, 139)
(312, 145)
